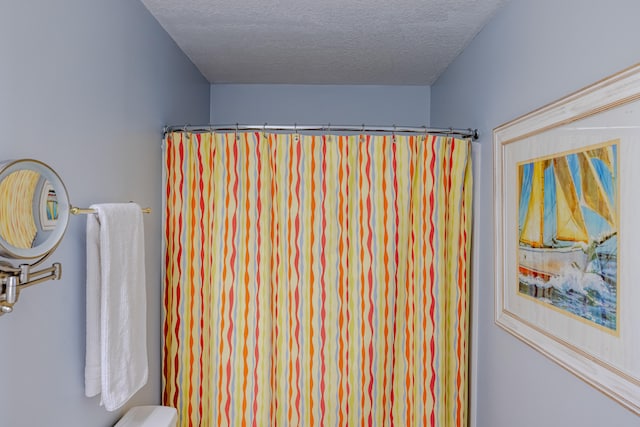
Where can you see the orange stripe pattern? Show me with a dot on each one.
(316, 280)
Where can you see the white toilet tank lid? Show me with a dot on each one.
(149, 416)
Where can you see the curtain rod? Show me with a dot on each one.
(463, 133)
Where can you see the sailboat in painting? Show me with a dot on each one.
(567, 250)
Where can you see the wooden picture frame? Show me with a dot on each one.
(567, 233)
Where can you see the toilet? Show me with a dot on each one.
(149, 416)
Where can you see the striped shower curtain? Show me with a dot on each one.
(316, 280)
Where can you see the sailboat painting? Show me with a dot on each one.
(568, 233)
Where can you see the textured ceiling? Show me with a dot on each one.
(323, 42)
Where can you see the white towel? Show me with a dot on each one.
(116, 359)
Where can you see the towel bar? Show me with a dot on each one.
(86, 211)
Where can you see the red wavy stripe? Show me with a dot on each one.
(202, 281)
(247, 293)
(176, 361)
(275, 267)
(232, 261)
(409, 309)
(424, 256)
(346, 278)
(387, 277)
(462, 280)
(297, 285)
(191, 279)
(256, 350)
(361, 192)
(394, 168)
(448, 184)
(211, 215)
(223, 294)
(168, 249)
(445, 239)
(312, 280)
(370, 279)
(289, 279)
(190, 259)
(432, 305)
(341, 287)
(323, 284)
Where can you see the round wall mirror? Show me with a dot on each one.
(34, 209)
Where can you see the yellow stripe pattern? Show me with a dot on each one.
(316, 280)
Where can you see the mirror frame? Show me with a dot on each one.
(51, 243)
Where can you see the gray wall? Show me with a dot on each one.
(532, 53)
(85, 86)
(320, 104)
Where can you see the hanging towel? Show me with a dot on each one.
(116, 359)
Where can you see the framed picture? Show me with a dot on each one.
(566, 185)
(48, 207)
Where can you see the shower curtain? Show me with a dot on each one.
(316, 280)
